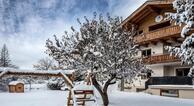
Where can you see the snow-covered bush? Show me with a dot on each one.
(184, 16)
(79, 75)
(56, 83)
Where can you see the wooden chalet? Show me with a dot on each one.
(154, 32)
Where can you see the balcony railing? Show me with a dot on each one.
(165, 58)
(169, 80)
(158, 34)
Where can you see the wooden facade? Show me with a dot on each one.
(16, 87)
(162, 35)
(150, 32)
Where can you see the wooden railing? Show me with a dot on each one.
(165, 58)
(158, 34)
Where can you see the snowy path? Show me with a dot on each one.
(141, 99)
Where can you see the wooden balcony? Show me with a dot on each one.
(165, 58)
(159, 34)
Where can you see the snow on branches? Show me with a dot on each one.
(184, 16)
(102, 46)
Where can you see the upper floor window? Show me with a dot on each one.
(146, 52)
(182, 71)
(160, 25)
(139, 32)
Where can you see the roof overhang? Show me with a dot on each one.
(148, 7)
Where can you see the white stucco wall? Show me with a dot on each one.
(156, 49)
(158, 70)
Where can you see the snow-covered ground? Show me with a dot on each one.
(34, 98)
(40, 96)
(141, 99)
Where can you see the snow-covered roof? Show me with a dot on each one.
(62, 73)
(38, 71)
(68, 71)
(16, 82)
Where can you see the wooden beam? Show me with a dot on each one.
(140, 16)
(153, 42)
(154, 9)
(171, 39)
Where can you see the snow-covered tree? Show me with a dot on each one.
(101, 46)
(45, 64)
(4, 58)
(184, 16)
(49, 64)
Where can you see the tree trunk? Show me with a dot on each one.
(105, 98)
(122, 84)
(103, 91)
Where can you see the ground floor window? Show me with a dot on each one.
(169, 92)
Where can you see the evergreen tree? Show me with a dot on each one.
(4, 58)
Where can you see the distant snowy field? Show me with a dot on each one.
(40, 96)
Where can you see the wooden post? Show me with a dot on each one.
(122, 84)
(69, 98)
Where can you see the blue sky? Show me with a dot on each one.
(26, 24)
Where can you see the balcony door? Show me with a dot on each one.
(182, 72)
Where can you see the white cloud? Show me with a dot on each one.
(124, 7)
(28, 45)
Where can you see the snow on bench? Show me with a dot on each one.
(83, 87)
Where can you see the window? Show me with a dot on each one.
(19, 87)
(146, 52)
(140, 32)
(160, 25)
(169, 92)
(182, 71)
